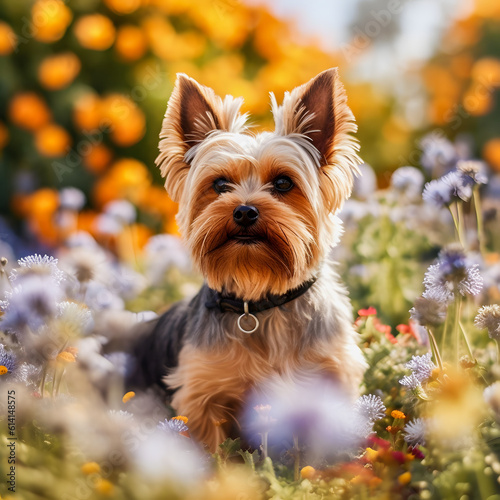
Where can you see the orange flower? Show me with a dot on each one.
(398, 415)
(3, 370)
(27, 110)
(52, 140)
(87, 112)
(131, 43)
(90, 468)
(104, 487)
(487, 72)
(182, 418)
(491, 153)
(128, 396)
(127, 122)
(95, 32)
(307, 472)
(66, 357)
(58, 71)
(98, 158)
(8, 39)
(50, 18)
(123, 6)
(371, 311)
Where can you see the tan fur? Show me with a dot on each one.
(204, 138)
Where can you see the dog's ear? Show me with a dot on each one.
(193, 112)
(318, 110)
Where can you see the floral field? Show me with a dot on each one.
(90, 249)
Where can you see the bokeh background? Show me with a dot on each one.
(84, 85)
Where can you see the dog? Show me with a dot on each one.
(257, 213)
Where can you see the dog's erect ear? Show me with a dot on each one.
(193, 112)
(319, 111)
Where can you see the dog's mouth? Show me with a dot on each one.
(247, 239)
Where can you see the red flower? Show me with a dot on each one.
(371, 311)
(404, 329)
(391, 338)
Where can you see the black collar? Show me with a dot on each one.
(229, 303)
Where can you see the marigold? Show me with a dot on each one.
(131, 43)
(58, 71)
(98, 158)
(8, 39)
(95, 32)
(28, 110)
(50, 18)
(87, 112)
(52, 140)
(307, 472)
(3, 370)
(491, 153)
(125, 119)
(128, 396)
(90, 468)
(398, 415)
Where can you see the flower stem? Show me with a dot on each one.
(42, 383)
(296, 465)
(456, 328)
(435, 350)
(461, 224)
(467, 343)
(454, 217)
(445, 332)
(479, 217)
(264, 443)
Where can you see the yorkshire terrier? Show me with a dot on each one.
(257, 215)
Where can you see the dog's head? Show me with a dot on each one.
(255, 210)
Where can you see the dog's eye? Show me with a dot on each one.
(283, 184)
(221, 186)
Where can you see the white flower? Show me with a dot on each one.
(414, 432)
(74, 319)
(408, 181)
(411, 381)
(371, 407)
(121, 210)
(36, 264)
(71, 198)
(489, 317)
(421, 366)
(174, 425)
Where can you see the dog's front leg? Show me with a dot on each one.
(209, 392)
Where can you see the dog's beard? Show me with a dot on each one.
(272, 256)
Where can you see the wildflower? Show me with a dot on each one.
(428, 311)
(104, 487)
(414, 432)
(408, 181)
(452, 272)
(182, 418)
(90, 468)
(492, 397)
(85, 262)
(36, 264)
(398, 415)
(489, 317)
(472, 171)
(28, 375)
(121, 414)
(371, 311)
(371, 407)
(98, 297)
(307, 472)
(7, 360)
(437, 193)
(438, 153)
(173, 425)
(128, 396)
(421, 366)
(74, 319)
(411, 382)
(121, 210)
(459, 187)
(31, 304)
(71, 199)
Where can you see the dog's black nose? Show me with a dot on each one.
(245, 215)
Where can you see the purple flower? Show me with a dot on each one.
(174, 425)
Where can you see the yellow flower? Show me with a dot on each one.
(50, 18)
(58, 71)
(28, 110)
(95, 32)
(3, 370)
(128, 396)
(90, 468)
(404, 478)
(52, 140)
(126, 119)
(66, 357)
(8, 39)
(398, 415)
(307, 472)
(104, 487)
(371, 454)
(131, 42)
(180, 417)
